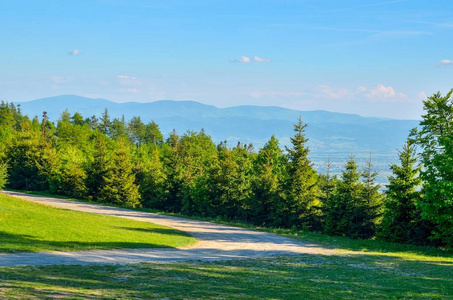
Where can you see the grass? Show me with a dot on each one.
(296, 277)
(365, 269)
(26, 226)
(373, 246)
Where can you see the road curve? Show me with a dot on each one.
(215, 241)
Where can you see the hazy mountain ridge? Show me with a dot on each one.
(247, 123)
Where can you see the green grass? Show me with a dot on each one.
(26, 226)
(297, 277)
(367, 269)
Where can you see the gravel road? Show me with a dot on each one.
(215, 241)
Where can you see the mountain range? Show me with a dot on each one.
(331, 134)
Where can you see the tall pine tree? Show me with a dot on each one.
(301, 186)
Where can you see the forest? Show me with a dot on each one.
(131, 164)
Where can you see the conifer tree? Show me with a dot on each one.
(371, 199)
(402, 220)
(105, 123)
(266, 198)
(345, 210)
(153, 185)
(301, 186)
(119, 182)
(3, 174)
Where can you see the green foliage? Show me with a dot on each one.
(436, 141)
(129, 163)
(402, 220)
(344, 214)
(267, 185)
(301, 185)
(371, 199)
(3, 174)
(118, 181)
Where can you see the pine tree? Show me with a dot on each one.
(105, 123)
(402, 220)
(98, 166)
(301, 186)
(152, 187)
(372, 199)
(269, 170)
(327, 186)
(119, 182)
(345, 210)
(3, 174)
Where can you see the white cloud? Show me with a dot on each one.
(244, 59)
(126, 77)
(362, 89)
(75, 52)
(446, 62)
(261, 60)
(384, 92)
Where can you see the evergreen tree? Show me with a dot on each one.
(327, 186)
(153, 185)
(402, 220)
(105, 123)
(99, 165)
(266, 198)
(372, 199)
(436, 141)
(3, 174)
(301, 186)
(346, 212)
(119, 182)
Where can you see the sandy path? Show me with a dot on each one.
(216, 241)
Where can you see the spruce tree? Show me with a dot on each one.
(3, 174)
(119, 182)
(269, 170)
(402, 220)
(301, 186)
(372, 199)
(347, 209)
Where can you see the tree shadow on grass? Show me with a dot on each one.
(166, 231)
(296, 277)
(11, 243)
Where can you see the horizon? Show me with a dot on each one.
(216, 106)
(380, 58)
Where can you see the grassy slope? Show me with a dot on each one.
(26, 226)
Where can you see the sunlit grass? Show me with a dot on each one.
(297, 277)
(26, 226)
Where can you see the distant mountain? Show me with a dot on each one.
(331, 134)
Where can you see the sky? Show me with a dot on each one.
(368, 57)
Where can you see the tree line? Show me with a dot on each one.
(130, 163)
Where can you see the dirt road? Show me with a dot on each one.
(215, 241)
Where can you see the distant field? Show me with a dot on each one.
(26, 226)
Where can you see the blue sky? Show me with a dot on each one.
(374, 58)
